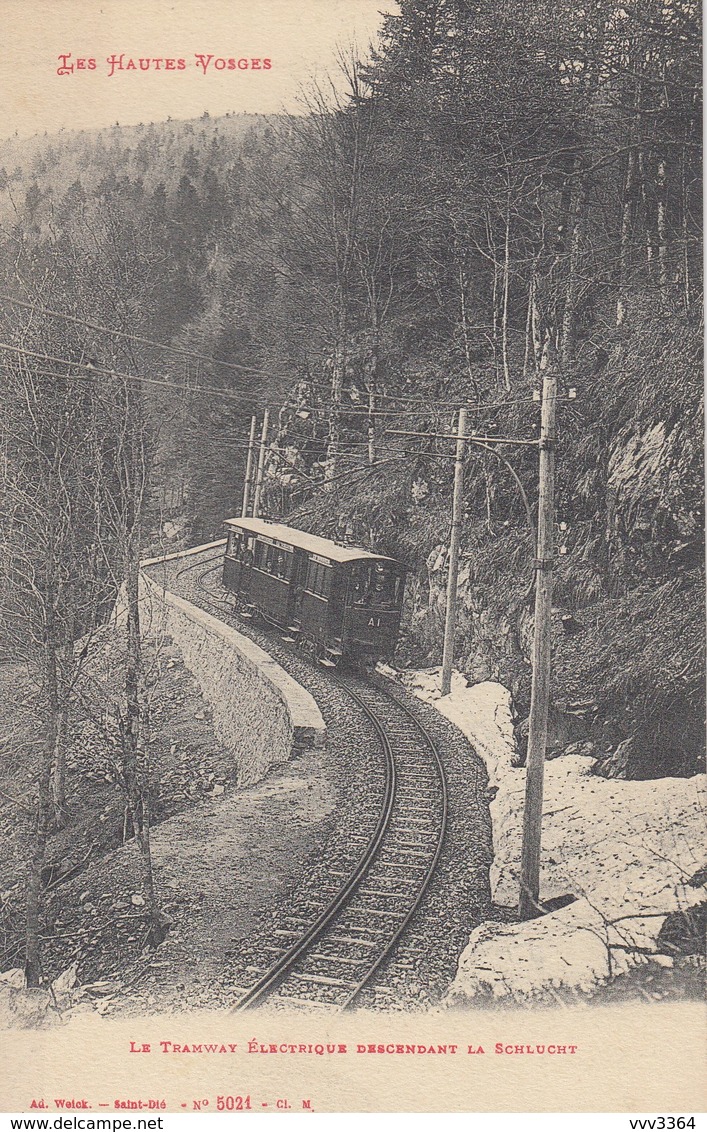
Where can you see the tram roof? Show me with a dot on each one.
(313, 544)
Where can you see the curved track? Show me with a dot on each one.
(365, 908)
(337, 957)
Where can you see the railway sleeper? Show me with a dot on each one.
(410, 735)
(323, 980)
(386, 913)
(416, 821)
(388, 894)
(339, 959)
(388, 885)
(303, 1001)
(353, 940)
(399, 865)
(366, 928)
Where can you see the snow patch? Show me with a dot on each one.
(628, 851)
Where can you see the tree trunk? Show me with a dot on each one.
(140, 815)
(569, 317)
(647, 218)
(662, 194)
(528, 329)
(133, 664)
(536, 325)
(337, 389)
(465, 332)
(136, 760)
(685, 235)
(374, 364)
(494, 302)
(136, 730)
(58, 782)
(506, 286)
(34, 879)
(626, 227)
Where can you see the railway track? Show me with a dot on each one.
(331, 961)
(327, 953)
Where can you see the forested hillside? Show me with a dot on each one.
(498, 189)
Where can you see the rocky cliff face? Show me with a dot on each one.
(628, 640)
(623, 681)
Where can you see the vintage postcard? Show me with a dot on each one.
(351, 558)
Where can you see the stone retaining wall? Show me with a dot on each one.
(260, 712)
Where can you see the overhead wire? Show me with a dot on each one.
(244, 397)
(458, 403)
(432, 407)
(137, 338)
(236, 366)
(93, 368)
(251, 400)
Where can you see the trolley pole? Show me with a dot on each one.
(451, 613)
(261, 465)
(248, 468)
(540, 692)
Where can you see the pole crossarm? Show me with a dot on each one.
(470, 439)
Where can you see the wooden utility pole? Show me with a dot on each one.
(261, 465)
(248, 468)
(371, 426)
(451, 614)
(540, 693)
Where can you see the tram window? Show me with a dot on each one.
(358, 584)
(232, 546)
(281, 565)
(375, 585)
(384, 584)
(318, 578)
(275, 561)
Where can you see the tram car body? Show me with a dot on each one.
(345, 599)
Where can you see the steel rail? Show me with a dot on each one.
(432, 747)
(279, 970)
(277, 974)
(201, 562)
